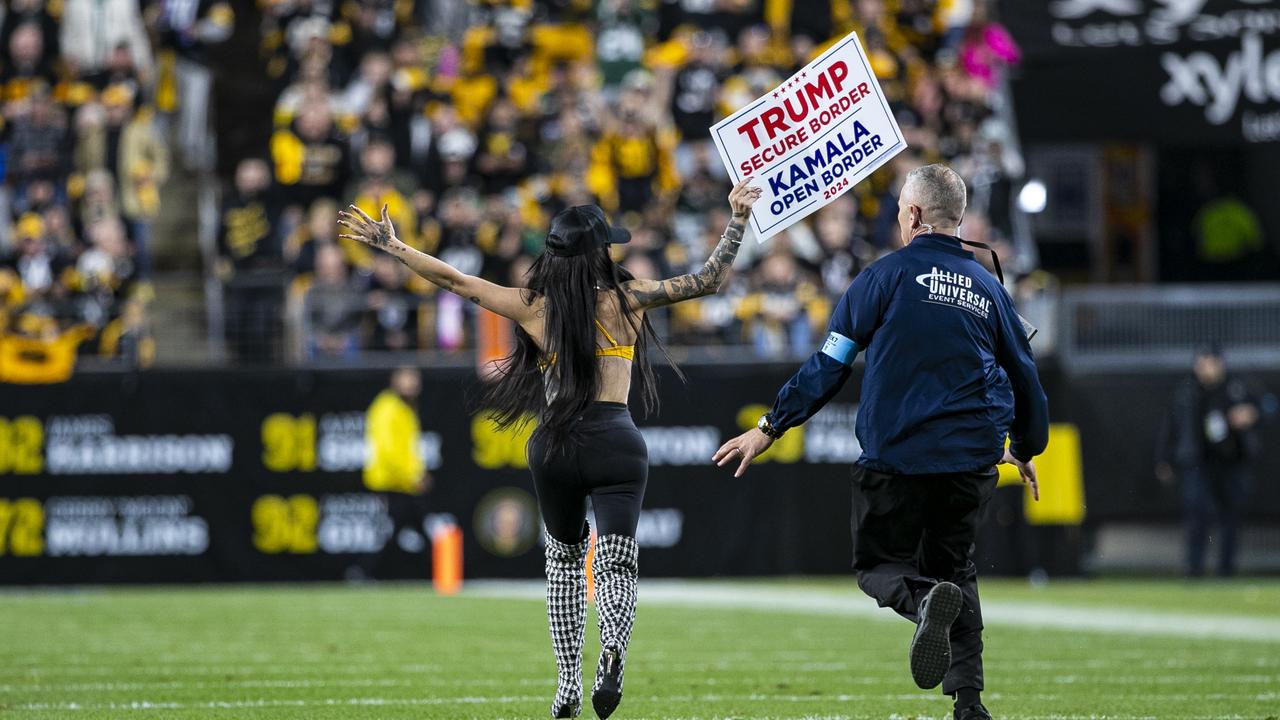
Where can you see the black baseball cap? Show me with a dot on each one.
(577, 229)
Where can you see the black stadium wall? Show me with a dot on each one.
(255, 475)
(1199, 73)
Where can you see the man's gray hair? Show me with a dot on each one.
(940, 193)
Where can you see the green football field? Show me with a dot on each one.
(714, 649)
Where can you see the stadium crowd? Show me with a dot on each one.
(83, 156)
(476, 122)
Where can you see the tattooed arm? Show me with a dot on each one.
(646, 294)
(381, 234)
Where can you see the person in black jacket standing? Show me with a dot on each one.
(949, 376)
(1208, 439)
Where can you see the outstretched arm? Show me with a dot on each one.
(851, 329)
(811, 388)
(381, 234)
(645, 294)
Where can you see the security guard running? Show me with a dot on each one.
(949, 375)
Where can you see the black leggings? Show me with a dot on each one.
(606, 460)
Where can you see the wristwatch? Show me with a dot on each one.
(765, 425)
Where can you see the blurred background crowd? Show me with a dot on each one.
(474, 122)
(84, 156)
(478, 122)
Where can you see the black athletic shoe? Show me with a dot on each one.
(608, 692)
(931, 646)
(568, 710)
(973, 712)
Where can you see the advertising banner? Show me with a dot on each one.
(1202, 72)
(228, 475)
(811, 138)
(219, 476)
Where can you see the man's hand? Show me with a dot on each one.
(1164, 473)
(1026, 470)
(1242, 416)
(746, 447)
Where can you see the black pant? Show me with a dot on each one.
(1209, 490)
(406, 511)
(911, 532)
(606, 459)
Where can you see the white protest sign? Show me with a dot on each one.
(811, 138)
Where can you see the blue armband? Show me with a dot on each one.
(840, 348)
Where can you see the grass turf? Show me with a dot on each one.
(399, 651)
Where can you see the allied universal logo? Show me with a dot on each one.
(954, 289)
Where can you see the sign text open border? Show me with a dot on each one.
(739, 142)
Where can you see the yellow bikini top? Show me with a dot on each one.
(613, 350)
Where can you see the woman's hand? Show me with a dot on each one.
(742, 196)
(379, 234)
(647, 294)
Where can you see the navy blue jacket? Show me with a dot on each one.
(949, 370)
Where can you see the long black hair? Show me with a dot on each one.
(555, 384)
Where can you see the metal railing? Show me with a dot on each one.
(1160, 327)
(1089, 328)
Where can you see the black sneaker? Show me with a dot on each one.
(931, 646)
(973, 712)
(567, 710)
(608, 692)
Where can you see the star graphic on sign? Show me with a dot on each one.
(804, 74)
(775, 95)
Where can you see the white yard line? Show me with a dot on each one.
(1125, 620)
(154, 705)
(201, 685)
(246, 704)
(417, 682)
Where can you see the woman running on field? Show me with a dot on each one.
(581, 327)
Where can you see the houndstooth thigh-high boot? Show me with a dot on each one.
(615, 569)
(567, 616)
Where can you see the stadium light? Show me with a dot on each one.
(1033, 197)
